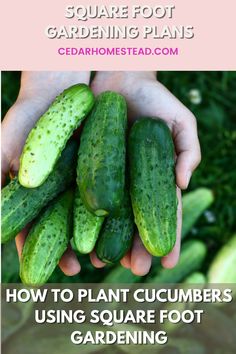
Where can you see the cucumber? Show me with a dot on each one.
(101, 159)
(48, 138)
(47, 241)
(191, 258)
(86, 226)
(120, 274)
(152, 184)
(20, 205)
(116, 235)
(223, 266)
(194, 204)
(196, 278)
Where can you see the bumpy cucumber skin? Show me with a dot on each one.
(48, 138)
(152, 184)
(192, 255)
(20, 205)
(86, 226)
(47, 241)
(194, 204)
(223, 266)
(101, 159)
(116, 235)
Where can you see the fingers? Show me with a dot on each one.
(187, 149)
(95, 261)
(141, 260)
(20, 240)
(48, 84)
(172, 258)
(126, 260)
(69, 263)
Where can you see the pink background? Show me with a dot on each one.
(25, 46)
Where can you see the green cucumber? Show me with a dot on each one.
(120, 274)
(196, 278)
(20, 205)
(152, 184)
(86, 226)
(47, 241)
(194, 204)
(48, 138)
(116, 235)
(223, 266)
(101, 160)
(192, 255)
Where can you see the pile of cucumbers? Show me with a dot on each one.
(96, 190)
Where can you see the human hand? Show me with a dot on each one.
(145, 96)
(37, 91)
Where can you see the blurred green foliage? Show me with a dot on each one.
(10, 82)
(216, 117)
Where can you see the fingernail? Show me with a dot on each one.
(188, 176)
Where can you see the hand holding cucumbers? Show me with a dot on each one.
(105, 169)
(147, 97)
